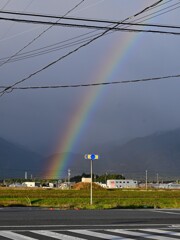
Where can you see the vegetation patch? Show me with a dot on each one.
(80, 199)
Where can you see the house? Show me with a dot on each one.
(122, 183)
(28, 184)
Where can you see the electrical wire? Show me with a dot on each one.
(42, 33)
(8, 1)
(75, 43)
(83, 19)
(10, 27)
(88, 26)
(160, 13)
(93, 84)
(53, 47)
(10, 88)
(98, 27)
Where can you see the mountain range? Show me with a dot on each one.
(158, 153)
(15, 160)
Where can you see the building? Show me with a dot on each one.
(86, 180)
(28, 184)
(122, 183)
(167, 185)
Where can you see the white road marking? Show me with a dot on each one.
(175, 226)
(146, 233)
(162, 231)
(56, 235)
(15, 236)
(166, 212)
(138, 234)
(99, 235)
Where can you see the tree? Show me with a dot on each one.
(103, 178)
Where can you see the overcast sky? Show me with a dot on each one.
(39, 118)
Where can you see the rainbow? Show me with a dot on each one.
(58, 164)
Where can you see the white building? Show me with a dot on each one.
(86, 180)
(28, 184)
(122, 183)
(167, 185)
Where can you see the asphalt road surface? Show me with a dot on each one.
(49, 224)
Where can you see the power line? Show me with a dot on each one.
(37, 37)
(66, 45)
(75, 50)
(83, 19)
(88, 26)
(161, 10)
(8, 1)
(52, 48)
(93, 27)
(10, 27)
(81, 41)
(92, 84)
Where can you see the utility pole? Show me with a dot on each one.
(106, 178)
(157, 178)
(25, 175)
(146, 179)
(69, 177)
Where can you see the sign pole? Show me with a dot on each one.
(92, 157)
(91, 182)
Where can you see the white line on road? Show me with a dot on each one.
(166, 212)
(162, 231)
(56, 235)
(175, 226)
(99, 235)
(15, 236)
(139, 234)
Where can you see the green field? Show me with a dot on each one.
(80, 199)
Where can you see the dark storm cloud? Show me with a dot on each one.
(38, 118)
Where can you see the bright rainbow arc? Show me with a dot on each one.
(75, 126)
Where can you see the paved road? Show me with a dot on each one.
(48, 224)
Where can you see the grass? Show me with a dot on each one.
(80, 199)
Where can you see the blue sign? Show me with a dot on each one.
(91, 156)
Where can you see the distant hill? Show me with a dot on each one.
(16, 159)
(157, 153)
